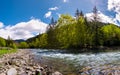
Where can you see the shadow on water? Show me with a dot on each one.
(92, 50)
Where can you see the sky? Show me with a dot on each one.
(22, 19)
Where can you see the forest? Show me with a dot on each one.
(72, 32)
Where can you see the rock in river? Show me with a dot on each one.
(56, 73)
(12, 71)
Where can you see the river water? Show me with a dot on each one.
(71, 62)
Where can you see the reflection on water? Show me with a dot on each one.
(79, 59)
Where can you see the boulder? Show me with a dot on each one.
(12, 71)
(56, 73)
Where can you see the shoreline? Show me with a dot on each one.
(86, 49)
(22, 63)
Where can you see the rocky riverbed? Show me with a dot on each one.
(101, 70)
(22, 63)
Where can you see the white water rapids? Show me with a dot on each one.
(82, 59)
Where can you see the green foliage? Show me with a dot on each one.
(73, 34)
(65, 20)
(23, 45)
(111, 34)
(43, 41)
(77, 33)
(2, 42)
(4, 51)
(13, 46)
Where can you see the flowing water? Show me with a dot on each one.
(71, 62)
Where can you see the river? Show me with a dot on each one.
(67, 62)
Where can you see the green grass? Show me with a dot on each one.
(4, 51)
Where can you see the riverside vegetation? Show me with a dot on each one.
(72, 32)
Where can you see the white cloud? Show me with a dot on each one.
(114, 5)
(54, 8)
(23, 30)
(101, 17)
(1, 25)
(65, 1)
(48, 14)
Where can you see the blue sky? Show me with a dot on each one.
(15, 12)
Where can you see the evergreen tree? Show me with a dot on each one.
(95, 13)
(77, 14)
(95, 21)
(81, 14)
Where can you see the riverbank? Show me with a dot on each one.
(22, 63)
(101, 70)
(6, 51)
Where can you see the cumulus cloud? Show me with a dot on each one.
(23, 30)
(114, 5)
(54, 8)
(48, 14)
(101, 17)
(1, 25)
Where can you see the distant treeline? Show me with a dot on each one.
(7, 44)
(76, 32)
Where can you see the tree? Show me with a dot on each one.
(13, 46)
(64, 29)
(23, 45)
(81, 14)
(52, 21)
(77, 14)
(82, 33)
(43, 41)
(2, 42)
(10, 43)
(51, 38)
(95, 13)
(65, 19)
(111, 35)
(96, 22)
